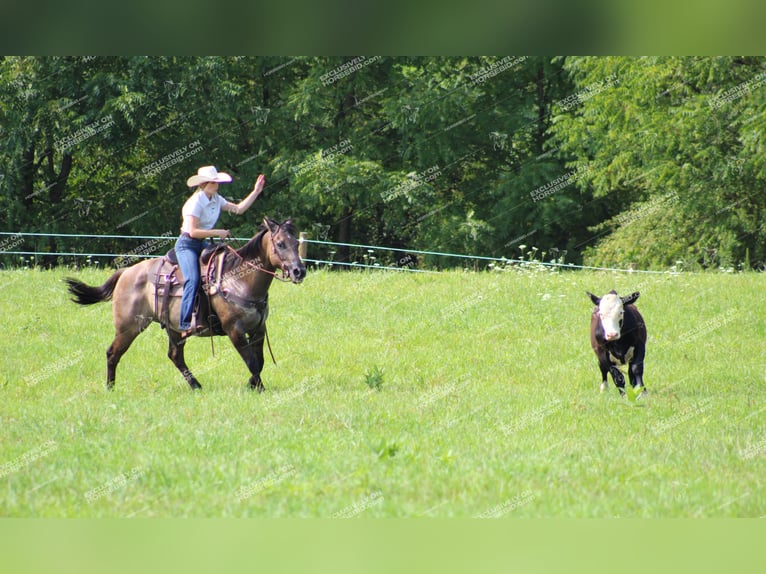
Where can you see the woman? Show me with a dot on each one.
(200, 214)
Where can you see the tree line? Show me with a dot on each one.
(649, 162)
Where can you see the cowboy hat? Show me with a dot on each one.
(208, 173)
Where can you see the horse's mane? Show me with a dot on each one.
(252, 248)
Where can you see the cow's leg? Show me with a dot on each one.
(176, 354)
(619, 379)
(636, 371)
(248, 353)
(604, 373)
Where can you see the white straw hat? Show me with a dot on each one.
(208, 173)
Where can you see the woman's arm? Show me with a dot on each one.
(191, 223)
(244, 205)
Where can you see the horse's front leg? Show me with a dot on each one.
(252, 354)
(176, 354)
(256, 343)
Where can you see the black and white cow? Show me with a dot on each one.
(618, 337)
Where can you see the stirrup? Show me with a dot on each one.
(193, 331)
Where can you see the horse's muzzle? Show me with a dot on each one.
(297, 273)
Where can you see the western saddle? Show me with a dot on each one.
(168, 282)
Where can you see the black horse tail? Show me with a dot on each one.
(87, 295)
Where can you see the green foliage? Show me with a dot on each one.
(386, 449)
(689, 128)
(452, 154)
(407, 152)
(373, 378)
(632, 394)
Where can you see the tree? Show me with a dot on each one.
(645, 161)
(673, 144)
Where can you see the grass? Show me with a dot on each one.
(396, 395)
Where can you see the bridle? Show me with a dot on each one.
(285, 272)
(259, 266)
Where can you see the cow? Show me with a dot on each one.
(618, 337)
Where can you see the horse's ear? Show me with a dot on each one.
(270, 224)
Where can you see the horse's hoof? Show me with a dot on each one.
(603, 387)
(257, 387)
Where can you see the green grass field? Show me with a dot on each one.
(396, 395)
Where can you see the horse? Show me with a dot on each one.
(236, 303)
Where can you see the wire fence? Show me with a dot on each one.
(360, 256)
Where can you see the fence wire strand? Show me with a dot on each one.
(502, 260)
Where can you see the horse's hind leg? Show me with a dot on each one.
(176, 354)
(132, 313)
(114, 353)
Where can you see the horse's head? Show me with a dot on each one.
(283, 251)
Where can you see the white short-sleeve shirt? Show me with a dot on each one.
(204, 209)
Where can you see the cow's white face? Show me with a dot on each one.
(611, 311)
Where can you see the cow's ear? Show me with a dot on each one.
(596, 300)
(629, 299)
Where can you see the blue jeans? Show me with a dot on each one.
(188, 251)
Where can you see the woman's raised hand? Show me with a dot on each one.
(259, 183)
